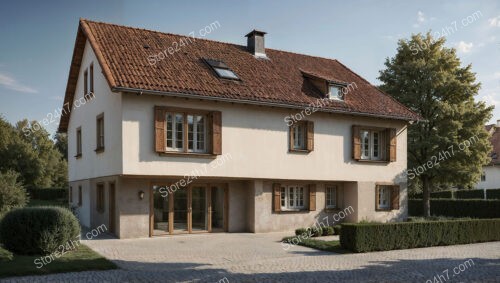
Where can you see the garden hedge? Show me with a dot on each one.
(359, 237)
(441, 194)
(457, 208)
(469, 194)
(48, 194)
(493, 194)
(38, 230)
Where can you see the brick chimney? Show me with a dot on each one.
(255, 43)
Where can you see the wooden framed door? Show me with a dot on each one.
(112, 209)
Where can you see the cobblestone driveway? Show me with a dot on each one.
(261, 258)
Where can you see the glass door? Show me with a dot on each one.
(199, 215)
(180, 199)
(160, 213)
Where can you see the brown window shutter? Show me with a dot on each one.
(216, 119)
(377, 200)
(290, 139)
(391, 144)
(312, 197)
(310, 135)
(356, 143)
(276, 197)
(395, 197)
(159, 129)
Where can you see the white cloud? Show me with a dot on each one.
(491, 99)
(464, 47)
(420, 19)
(496, 75)
(11, 83)
(494, 22)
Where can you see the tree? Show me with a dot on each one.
(62, 144)
(450, 145)
(12, 193)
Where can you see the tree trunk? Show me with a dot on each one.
(426, 196)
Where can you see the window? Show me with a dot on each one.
(79, 195)
(376, 144)
(70, 194)
(100, 198)
(221, 69)
(85, 83)
(292, 197)
(196, 132)
(100, 133)
(91, 81)
(335, 92)
(387, 197)
(331, 196)
(78, 142)
(483, 177)
(302, 136)
(371, 145)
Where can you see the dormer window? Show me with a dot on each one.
(221, 69)
(335, 92)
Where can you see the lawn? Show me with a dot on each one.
(329, 246)
(81, 259)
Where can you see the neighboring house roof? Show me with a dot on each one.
(494, 129)
(123, 54)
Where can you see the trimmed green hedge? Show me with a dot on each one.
(457, 208)
(493, 194)
(469, 194)
(406, 235)
(441, 194)
(48, 194)
(38, 230)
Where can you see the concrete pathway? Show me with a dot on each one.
(261, 258)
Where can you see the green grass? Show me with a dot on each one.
(55, 202)
(329, 246)
(81, 259)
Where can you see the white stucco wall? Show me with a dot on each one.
(492, 181)
(256, 138)
(93, 164)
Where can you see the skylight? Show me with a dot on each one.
(221, 69)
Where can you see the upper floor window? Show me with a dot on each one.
(292, 197)
(335, 92)
(331, 196)
(85, 83)
(91, 79)
(78, 142)
(483, 177)
(302, 136)
(100, 133)
(375, 144)
(187, 131)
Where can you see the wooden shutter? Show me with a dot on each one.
(277, 197)
(310, 135)
(290, 138)
(312, 197)
(391, 144)
(377, 199)
(356, 143)
(216, 120)
(395, 197)
(159, 129)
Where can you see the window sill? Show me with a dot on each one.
(304, 151)
(294, 210)
(333, 209)
(383, 209)
(372, 161)
(78, 156)
(188, 154)
(99, 149)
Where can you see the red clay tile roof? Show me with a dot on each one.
(495, 142)
(123, 53)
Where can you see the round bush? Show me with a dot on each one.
(317, 231)
(300, 231)
(337, 229)
(328, 231)
(38, 230)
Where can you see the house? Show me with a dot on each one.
(490, 178)
(172, 134)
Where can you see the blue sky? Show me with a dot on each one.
(37, 37)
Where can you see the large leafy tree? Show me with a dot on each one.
(450, 145)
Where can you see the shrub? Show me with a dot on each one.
(316, 231)
(469, 194)
(300, 231)
(406, 235)
(38, 230)
(435, 195)
(328, 231)
(48, 193)
(457, 208)
(12, 193)
(493, 194)
(5, 255)
(337, 229)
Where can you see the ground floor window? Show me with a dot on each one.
(331, 196)
(292, 197)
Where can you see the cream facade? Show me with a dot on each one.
(234, 191)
